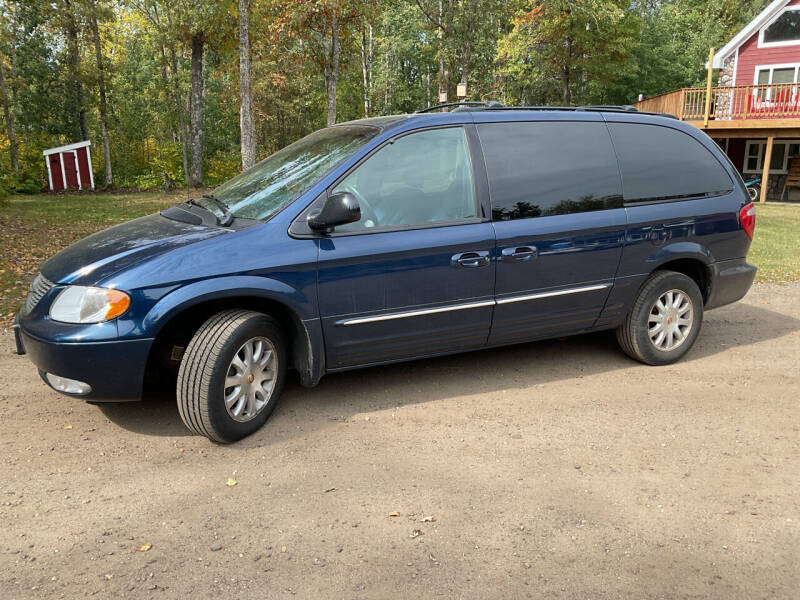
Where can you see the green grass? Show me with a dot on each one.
(776, 244)
(33, 228)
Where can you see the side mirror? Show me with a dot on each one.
(339, 209)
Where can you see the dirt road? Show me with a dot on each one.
(551, 470)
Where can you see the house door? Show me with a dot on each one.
(70, 169)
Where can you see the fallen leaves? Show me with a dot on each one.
(67, 426)
(416, 533)
(144, 547)
(394, 513)
(231, 482)
(430, 519)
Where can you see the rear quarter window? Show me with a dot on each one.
(659, 163)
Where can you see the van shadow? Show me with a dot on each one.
(341, 395)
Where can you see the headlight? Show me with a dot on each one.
(79, 304)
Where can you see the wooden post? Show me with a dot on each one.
(765, 169)
(708, 86)
(683, 103)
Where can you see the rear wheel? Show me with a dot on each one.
(665, 319)
(231, 375)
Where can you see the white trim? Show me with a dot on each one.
(89, 160)
(77, 168)
(66, 148)
(747, 32)
(735, 73)
(763, 44)
(63, 172)
(49, 172)
(481, 304)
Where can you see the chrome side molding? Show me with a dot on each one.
(469, 305)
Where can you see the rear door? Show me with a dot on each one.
(414, 277)
(557, 210)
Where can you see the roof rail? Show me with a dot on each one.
(495, 105)
(598, 108)
(462, 106)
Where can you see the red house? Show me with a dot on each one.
(70, 167)
(754, 110)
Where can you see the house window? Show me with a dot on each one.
(782, 152)
(776, 75)
(783, 31)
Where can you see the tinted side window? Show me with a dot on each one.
(549, 168)
(420, 178)
(661, 163)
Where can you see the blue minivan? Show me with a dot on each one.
(399, 238)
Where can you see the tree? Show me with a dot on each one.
(576, 47)
(246, 124)
(8, 114)
(101, 82)
(71, 24)
(9, 97)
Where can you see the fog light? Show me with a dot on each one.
(68, 386)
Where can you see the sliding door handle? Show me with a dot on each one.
(519, 253)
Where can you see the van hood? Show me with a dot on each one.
(102, 254)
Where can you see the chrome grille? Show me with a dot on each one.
(39, 288)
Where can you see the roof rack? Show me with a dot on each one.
(594, 108)
(495, 105)
(462, 106)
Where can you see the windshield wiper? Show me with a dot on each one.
(227, 215)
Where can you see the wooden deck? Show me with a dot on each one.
(742, 111)
(733, 111)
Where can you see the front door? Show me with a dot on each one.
(557, 210)
(414, 277)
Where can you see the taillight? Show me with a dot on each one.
(747, 216)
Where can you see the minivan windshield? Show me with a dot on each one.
(279, 179)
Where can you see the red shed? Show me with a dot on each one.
(70, 166)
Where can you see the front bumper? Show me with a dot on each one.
(114, 369)
(730, 281)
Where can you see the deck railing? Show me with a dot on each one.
(733, 103)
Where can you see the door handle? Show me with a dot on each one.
(519, 253)
(470, 259)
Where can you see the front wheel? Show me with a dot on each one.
(231, 375)
(665, 319)
(754, 191)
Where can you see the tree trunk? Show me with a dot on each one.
(75, 72)
(196, 111)
(101, 81)
(8, 113)
(246, 126)
(566, 76)
(443, 75)
(176, 91)
(367, 55)
(332, 69)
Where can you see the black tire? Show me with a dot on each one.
(204, 368)
(633, 335)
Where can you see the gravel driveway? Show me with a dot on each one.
(558, 469)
